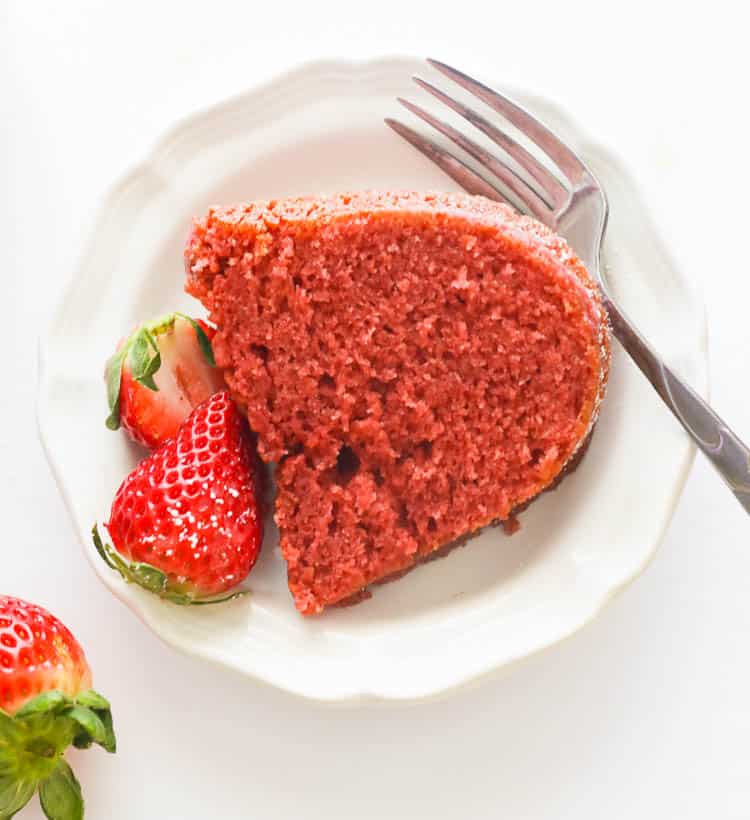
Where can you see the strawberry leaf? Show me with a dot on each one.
(83, 740)
(100, 707)
(92, 699)
(16, 789)
(203, 341)
(60, 794)
(144, 358)
(114, 378)
(32, 743)
(150, 578)
(188, 600)
(14, 795)
(146, 576)
(49, 702)
(110, 558)
(109, 742)
(90, 725)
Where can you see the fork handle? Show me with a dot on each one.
(714, 437)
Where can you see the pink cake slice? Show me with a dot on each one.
(417, 365)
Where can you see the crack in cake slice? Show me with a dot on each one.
(417, 365)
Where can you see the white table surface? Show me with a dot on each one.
(645, 713)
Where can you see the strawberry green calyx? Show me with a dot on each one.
(203, 341)
(32, 744)
(153, 579)
(140, 352)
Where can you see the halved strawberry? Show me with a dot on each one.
(186, 524)
(158, 375)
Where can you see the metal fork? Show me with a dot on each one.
(572, 202)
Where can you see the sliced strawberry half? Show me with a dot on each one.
(158, 375)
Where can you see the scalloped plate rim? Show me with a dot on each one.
(163, 146)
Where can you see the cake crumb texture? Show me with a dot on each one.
(418, 365)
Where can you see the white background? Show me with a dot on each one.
(645, 713)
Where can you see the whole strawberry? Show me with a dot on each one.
(158, 375)
(46, 704)
(185, 523)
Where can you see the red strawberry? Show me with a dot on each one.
(46, 704)
(158, 375)
(185, 523)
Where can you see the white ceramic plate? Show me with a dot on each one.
(319, 129)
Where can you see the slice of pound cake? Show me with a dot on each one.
(417, 365)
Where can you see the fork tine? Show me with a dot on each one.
(518, 186)
(468, 179)
(565, 159)
(551, 186)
